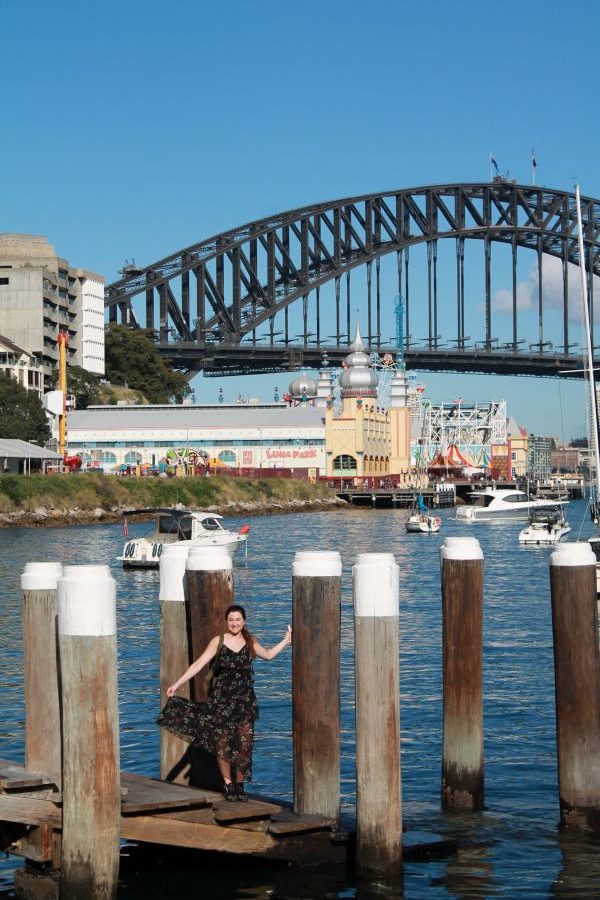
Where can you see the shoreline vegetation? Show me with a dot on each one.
(83, 499)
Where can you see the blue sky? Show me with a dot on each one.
(134, 129)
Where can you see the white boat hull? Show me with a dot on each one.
(140, 553)
(509, 512)
(423, 524)
(537, 535)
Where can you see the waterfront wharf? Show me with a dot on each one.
(399, 497)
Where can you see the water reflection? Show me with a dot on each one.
(580, 872)
(470, 874)
(523, 854)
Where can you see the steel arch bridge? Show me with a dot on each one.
(225, 305)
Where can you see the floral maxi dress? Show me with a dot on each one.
(225, 724)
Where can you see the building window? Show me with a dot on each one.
(344, 465)
(4, 281)
(133, 458)
(228, 456)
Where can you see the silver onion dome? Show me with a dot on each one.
(358, 377)
(304, 385)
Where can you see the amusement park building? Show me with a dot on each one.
(240, 435)
(304, 432)
(363, 439)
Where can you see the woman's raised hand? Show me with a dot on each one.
(288, 635)
(171, 691)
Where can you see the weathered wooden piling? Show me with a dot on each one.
(462, 664)
(316, 599)
(378, 768)
(41, 672)
(90, 721)
(209, 576)
(209, 585)
(174, 650)
(577, 683)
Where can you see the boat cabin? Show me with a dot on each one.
(485, 498)
(546, 515)
(180, 525)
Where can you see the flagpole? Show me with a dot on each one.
(491, 170)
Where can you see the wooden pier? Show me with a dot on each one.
(160, 812)
(401, 497)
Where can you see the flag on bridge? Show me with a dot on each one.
(493, 166)
(533, 165)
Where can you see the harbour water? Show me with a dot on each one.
(513, 848)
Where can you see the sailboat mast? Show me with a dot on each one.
(589, 356)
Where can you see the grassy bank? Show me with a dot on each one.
(88, 492)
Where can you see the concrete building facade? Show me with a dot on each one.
(42, 294)
(540, 457)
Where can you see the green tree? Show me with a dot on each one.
(84, 385)
(132, 359)
(21, 412)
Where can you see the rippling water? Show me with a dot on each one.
(513, 848)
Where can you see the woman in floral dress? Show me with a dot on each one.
(225, 721)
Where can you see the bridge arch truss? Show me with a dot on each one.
(222, 305)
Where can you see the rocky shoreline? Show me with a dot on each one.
(48, 517)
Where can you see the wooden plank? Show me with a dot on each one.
(287, 822)
(149, 794)
(173, 832)
(16, 778)
(29, 811)
(226, 812)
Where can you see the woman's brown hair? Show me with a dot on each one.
(248, 637)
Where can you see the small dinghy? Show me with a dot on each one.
(422, 523)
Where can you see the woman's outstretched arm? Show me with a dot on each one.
(195, 667)
(272, 653)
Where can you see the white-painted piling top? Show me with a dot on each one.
(87, 602)
(41, 576)
(376, 583)
(171, 570)
(461, 548)
(317, 563)
(575, 554)
(372, 559)
(209, 559)
(87, 571)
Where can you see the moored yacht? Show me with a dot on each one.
(496, 504)
(546, 526)
(177, 526)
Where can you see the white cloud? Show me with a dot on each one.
(552, 290)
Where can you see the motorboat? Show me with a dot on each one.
(420, 523)
(496, 504)
(546, 526)
(177, 526)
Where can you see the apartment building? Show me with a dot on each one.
(25, 368)
(41, 294)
